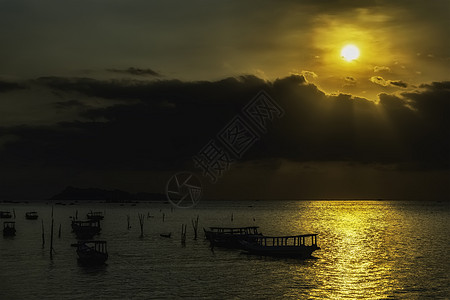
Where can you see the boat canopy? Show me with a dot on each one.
(289, 240)
(235, 230)
(86, 223)
(9, 224)
(99, 246)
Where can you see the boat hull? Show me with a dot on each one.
(92, 258)
(86, 233)
(31, 216)
(5, 215)
(9, 232)
(86, 229)
(280, 251)
(230, 237)
(9, 229)
(95, 216)
(230, 241)
(92, 253)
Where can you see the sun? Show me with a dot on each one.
(350, 52)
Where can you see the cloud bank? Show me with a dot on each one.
(158, 125)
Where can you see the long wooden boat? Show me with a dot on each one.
(9, 228)
(92, 252)
(95, 215)
(86, 229)
(230, 237)
(31, 215)
(5, 215)
(300, 246)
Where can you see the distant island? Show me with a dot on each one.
(73, 193)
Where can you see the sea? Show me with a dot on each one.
(369, 250)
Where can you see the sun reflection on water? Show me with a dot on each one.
(356, 260)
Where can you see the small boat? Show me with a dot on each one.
(31, 215)
(166, 235)
(86, 229)
(9, 228)
(299, 246)
(92, 252)
(95, 215)
(5, 215)
(230, 237)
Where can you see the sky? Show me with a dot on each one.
(123, 94)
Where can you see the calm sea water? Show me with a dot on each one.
(370, 250)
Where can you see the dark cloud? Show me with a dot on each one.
(333, 6)
(421, 124)
(6, 86)
(165, 125)
(70, 104)
(136, 71)
(381, 69)
(170, 121)
(444, 85)
(433, 105)
(398, 83)
(381, 81)
(151, 91)
(378, 80)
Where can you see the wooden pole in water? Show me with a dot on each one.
(141, 223)
(183, 234)
(51, 237)
(195, 226)
(59, 231)
(14, 212)
(43, 236)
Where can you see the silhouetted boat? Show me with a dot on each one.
(9, 228)
(230, 237)
(289, 246)
(92, 252)
(5, 215)
(166, 235)
(31, 215)
(86, 229)
(95, 215)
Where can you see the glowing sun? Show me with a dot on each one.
(350, 52)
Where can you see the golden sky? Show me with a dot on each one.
(202, 40)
